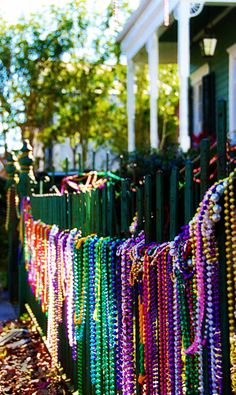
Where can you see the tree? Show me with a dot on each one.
(91, 108)
(30, 60)
(60, 77)
(44, 95)
(168, 105)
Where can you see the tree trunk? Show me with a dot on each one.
(74, 150)
(84, 144)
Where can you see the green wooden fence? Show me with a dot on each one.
(163, 204)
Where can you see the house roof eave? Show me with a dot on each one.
(145, 23)
(132, 19)
(220, 2)
(144, 5)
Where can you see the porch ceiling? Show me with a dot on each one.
(210, 16)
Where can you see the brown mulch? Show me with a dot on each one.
(25, 364)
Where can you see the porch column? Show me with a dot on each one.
(130, 105)
(153, 61)
(184, 66)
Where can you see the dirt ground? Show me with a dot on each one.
(25, 364)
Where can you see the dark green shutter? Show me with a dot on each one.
(208, 102)
(190, 105)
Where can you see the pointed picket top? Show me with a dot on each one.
(26, 160)
(12, 169)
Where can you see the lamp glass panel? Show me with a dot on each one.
(209, 46)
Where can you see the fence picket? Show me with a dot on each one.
(69, 211)
(188, 192)
(92, 210)
(205, 166)
(159, 206)
(104, 211)
(148, 207)
(88, 213)
(110, 210)
(107, 161)
(124, 208)
(174, 179)
(221, 140)
(140, 207)
(80, 163)
(98, 226)
(94, 161)
(83, 213)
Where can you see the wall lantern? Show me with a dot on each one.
(208, 44)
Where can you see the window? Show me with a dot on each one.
(197, 87)
(232, 92)
(197, 105)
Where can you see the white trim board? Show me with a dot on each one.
(196, 83)
(149, 21)
(197, 75)
(232, 94)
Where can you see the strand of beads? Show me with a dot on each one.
(52, 328)
(68, 280)
(81, 301)
(205, 256)
(60, 246)
(177, 335)
(198, 259)
(99, 256)
(113, 312)
(230, 247)
(98, 318)
(92, 322)
(212, 324)
(44, 296)
(127, 328)
(77, 293)
(153, 309)
(184, 272)
(118, 355)
(166, 339)
(163, 323)
(170, 320)
(105, 314)
(136, 276)
(233, 363)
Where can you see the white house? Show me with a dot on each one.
(170, 31)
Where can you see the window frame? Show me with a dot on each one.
(232, 91)
(196, 83)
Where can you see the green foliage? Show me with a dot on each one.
(57, 75)
(30, 60)
(60, 78)
(168, 101)
(91, 110)
(142, 108)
